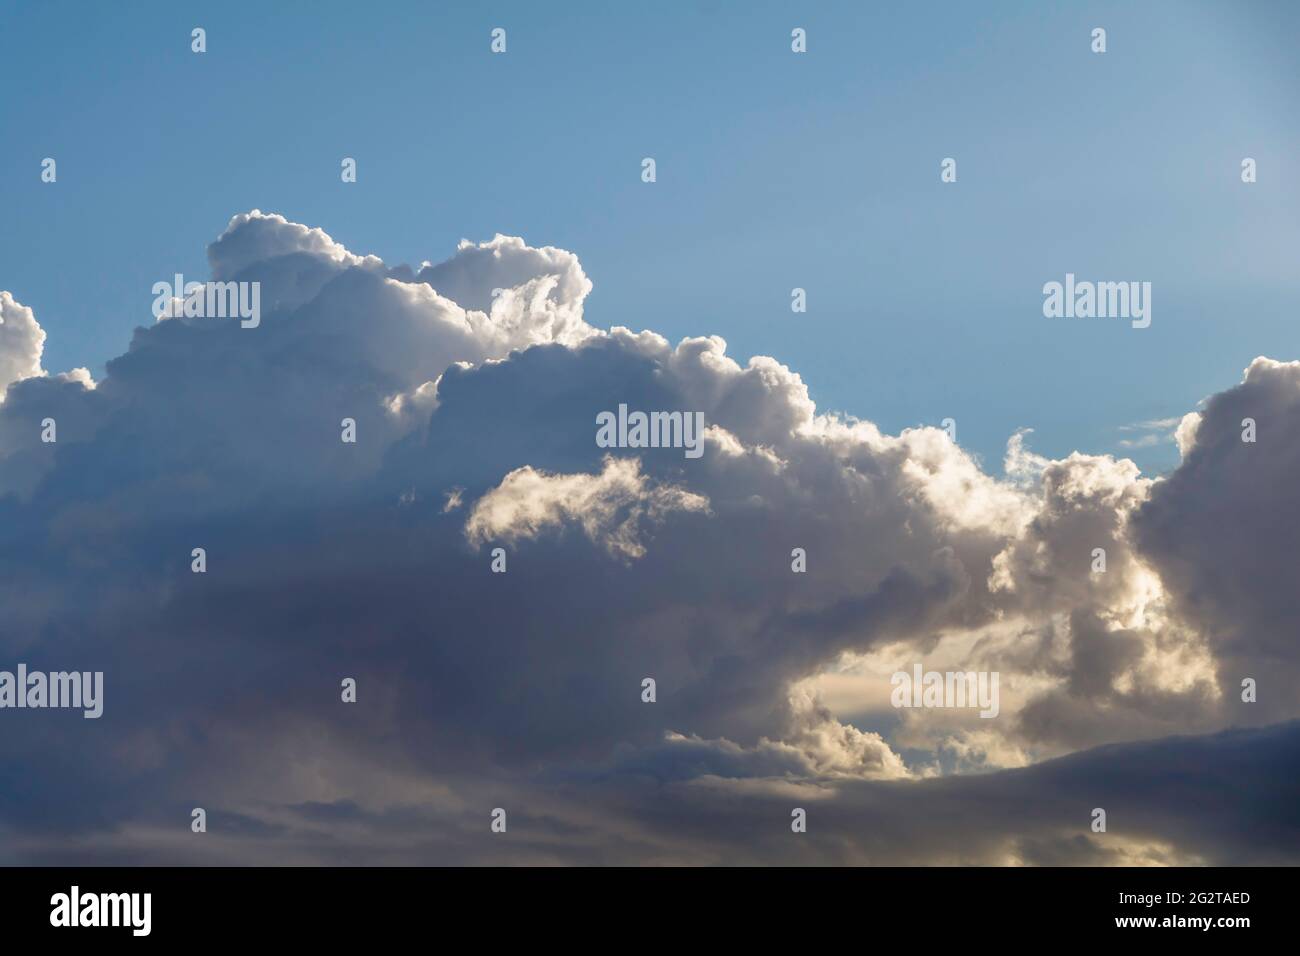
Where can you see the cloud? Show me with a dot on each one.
(1222, 529)
(474, 385)
(532, 295)
(22, 341)
(610, 507)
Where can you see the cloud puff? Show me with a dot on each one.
(22, 341)
(474, 386)
(532, 295)
(610, 507)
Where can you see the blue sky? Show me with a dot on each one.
(774, 171)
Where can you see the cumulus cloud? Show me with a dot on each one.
(1222, 529)
(474, 385)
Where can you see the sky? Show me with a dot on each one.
(775, 171)
(360, 570)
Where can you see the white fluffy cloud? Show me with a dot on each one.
(22, 341)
